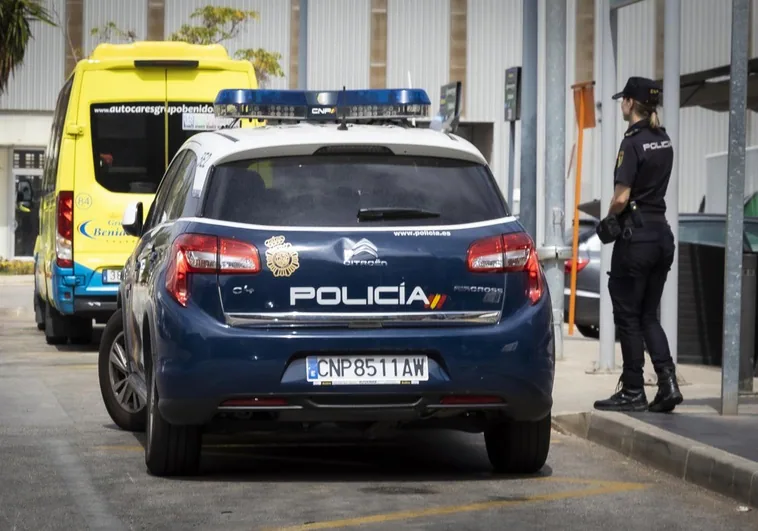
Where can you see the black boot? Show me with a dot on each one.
(626, 398)
(668, 396)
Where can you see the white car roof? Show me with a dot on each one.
(228, 145)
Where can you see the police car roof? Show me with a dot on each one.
(227, 145)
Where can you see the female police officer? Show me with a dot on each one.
(643, 252)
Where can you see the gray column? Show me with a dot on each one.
(528, 180)
(671, 72)
(730, 365)
(555, 160)
(608, 143)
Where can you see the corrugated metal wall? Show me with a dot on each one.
(339, 33)
(37, 82)
(418, 41)
(703, 132)
(705, 34)
(494, 44)
(271, 31)
(128, 15)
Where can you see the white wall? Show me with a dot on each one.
(271, 31)
(128, 15)
(418, 41)
(36, 83)
(6, 227)
(494, 44)
(25, 129)
(339, 33)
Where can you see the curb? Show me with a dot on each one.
(695, 463)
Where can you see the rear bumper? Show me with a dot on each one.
(200, 363)
(71, 299)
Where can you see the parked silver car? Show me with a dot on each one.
(701, 229)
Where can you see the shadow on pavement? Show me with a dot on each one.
(428, 456)
(93, 346)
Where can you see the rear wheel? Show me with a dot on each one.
(518, 447)
(170, 450)
(80, 331)
(56, 332)
(39, 311)
(121, 400)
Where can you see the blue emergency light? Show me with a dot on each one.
(348, 105)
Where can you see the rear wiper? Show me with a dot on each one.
(373, 214)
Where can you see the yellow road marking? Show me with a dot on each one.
(605, 487)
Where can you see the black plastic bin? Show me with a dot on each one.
(701, 304)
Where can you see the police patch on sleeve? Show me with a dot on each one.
(620, 159)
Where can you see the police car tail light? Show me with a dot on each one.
(508, 253)
(206, 254)
(65, 229)
(237, 257)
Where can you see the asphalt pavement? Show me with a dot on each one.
(64, 465)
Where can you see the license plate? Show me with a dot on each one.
(367, 370)
(111, 276)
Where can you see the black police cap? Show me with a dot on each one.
(641, 89)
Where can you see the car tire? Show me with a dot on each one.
(55, 326)
(592, 332)
(39, 312)
(518, 447)
(170, 450)
(130, 412)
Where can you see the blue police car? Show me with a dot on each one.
(338, 266)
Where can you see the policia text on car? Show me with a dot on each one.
(643, 252)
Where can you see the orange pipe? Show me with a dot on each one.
(577, 196)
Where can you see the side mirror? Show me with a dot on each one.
(132, 220)
(24, 196)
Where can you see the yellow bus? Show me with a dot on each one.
(119, 119)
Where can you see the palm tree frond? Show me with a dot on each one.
(16, 17)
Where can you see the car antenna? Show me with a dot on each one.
(343, 125)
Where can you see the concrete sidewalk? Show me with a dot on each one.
(693, 443)
(16, 280)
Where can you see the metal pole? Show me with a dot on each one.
(555, 161)
(730, 364)
(608, 144)
(511, 161)
(671, 72)
(528, 181)
(302, 47)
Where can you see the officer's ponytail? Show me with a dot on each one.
(647, 113)
(655, 122)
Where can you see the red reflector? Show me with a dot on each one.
(581, 263)
(470, 399)
(254, 402)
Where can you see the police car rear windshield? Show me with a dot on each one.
(347, 190)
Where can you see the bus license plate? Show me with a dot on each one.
(111, 276)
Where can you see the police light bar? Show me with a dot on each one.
(322, 105)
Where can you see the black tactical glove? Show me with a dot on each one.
(609, 229)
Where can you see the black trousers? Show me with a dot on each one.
(639, 268)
